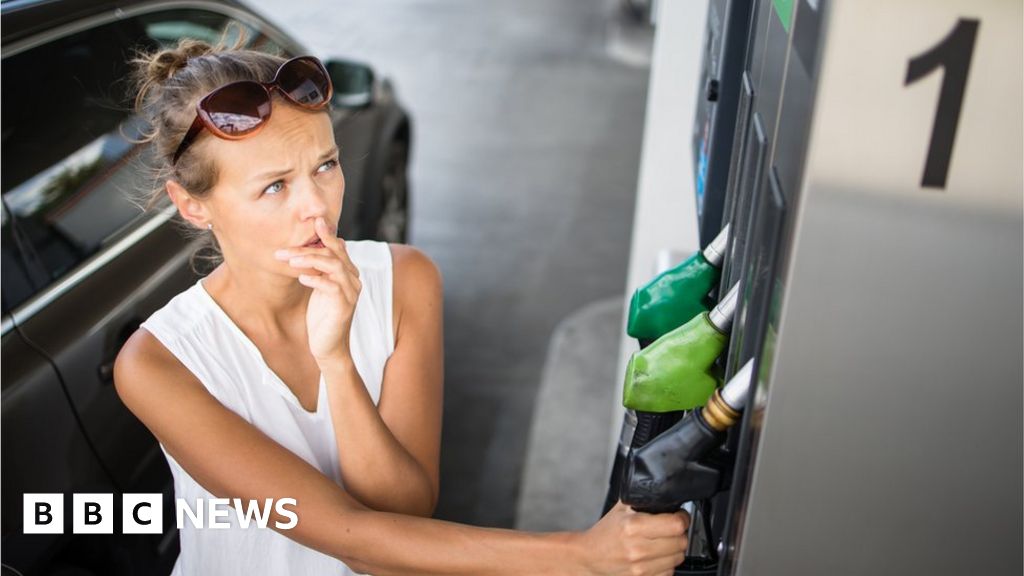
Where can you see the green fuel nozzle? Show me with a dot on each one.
(672, 469)
(675, 296)
(675, 372)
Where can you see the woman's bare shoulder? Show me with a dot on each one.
(144, 366)
(417, 282)
(413, 266)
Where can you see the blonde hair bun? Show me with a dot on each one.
(164, 64)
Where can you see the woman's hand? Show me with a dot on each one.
(336, 286)
(629, 542)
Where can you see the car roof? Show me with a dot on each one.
(24, 18)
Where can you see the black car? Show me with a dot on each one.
(82, 266)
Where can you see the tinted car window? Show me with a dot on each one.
(166, 27)
(20, 278)
(264, 44)
(66, 135)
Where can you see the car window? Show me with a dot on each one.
(263, 43)
(168, 26)
(20, 278)
(66, 133)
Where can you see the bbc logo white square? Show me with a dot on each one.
(43, 514)
(142, 514)
(93, 514)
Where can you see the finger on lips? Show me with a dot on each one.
(331, 255)
(333, 246)
(325, 235)
(334, 243)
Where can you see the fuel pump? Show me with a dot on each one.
(673, 468)
(673, 374)
(675, 296)
(686, 467)
(855, 136)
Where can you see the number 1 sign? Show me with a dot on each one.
(953, 54)
(922, 96)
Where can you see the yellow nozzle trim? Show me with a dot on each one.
(718, 414)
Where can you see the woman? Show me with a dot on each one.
(307, 367)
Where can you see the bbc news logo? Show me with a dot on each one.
(143, 513)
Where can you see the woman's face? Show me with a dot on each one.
(272, 187)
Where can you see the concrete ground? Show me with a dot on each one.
(528, 118)
(565, 478)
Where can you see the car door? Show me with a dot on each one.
(69, 164)
(43, 448)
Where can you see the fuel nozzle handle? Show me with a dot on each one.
(676, 295)
(715, 251)
(670, 470)
(722, 314)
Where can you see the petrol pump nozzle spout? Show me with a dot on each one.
(735, 391)
(722, 314)
(715, 251)
(671, 469)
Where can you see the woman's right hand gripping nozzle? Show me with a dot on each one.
(634, 543)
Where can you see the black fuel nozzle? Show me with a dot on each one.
(674, 468)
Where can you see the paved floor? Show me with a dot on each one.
(528, 122)
(565, 479)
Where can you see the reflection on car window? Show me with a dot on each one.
(263, 43)
(167, 27)
(63, 176)
(20, 277)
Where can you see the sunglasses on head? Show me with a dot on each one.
(240, 109)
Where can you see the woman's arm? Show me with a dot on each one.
(390, 453)
(233, 459)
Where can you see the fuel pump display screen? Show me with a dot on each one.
(715, 123)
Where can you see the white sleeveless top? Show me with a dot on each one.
(194, 328)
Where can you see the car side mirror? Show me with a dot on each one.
(353, 83)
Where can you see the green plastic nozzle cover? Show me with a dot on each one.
(671, 299)
(675, 372)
